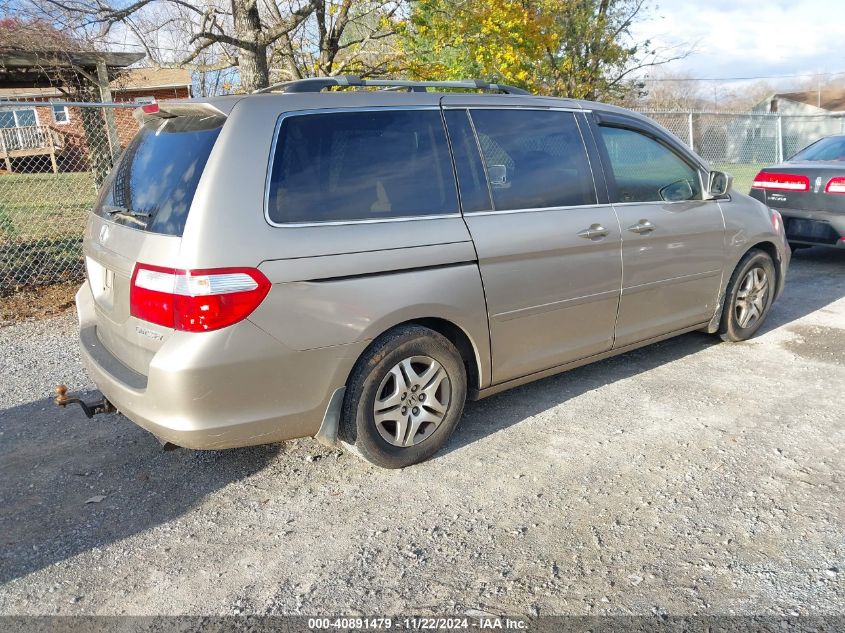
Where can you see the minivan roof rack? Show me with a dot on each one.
(317, 84)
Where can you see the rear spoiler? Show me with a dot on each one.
(171, 109)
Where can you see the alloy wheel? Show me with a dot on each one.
(751, 297)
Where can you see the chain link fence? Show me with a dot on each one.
(53, 156)
(744, 143)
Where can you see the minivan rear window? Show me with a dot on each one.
(359, 165)
(153, 184)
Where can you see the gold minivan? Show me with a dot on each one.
(352, 264)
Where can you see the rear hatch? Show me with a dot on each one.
(140, 217)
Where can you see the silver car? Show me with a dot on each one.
(354, 264)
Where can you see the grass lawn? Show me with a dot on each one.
(42, 217)
(44, 206)
(743, 173)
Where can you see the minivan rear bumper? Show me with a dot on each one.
(232, 387)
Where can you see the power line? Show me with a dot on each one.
(808, 74)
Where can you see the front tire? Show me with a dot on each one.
(749, 296)
(404, 397)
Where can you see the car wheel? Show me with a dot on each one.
(749, 296)
(404, 397)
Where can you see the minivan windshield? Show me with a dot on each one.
(153, 184)
(830, 148)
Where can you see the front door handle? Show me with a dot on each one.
(595, 232)
(642, 227)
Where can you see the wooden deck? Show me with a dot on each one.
(34, 140)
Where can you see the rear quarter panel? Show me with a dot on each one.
(333, 284)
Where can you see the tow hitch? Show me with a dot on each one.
(89, 408)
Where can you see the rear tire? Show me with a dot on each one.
(749, 296)
(404, 397)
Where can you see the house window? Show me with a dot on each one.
(61, 114)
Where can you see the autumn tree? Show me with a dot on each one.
(574, 48)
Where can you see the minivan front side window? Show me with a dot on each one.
(534, 158)
(646, 170)
(361, 165)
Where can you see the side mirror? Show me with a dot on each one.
(498, 175)
(719, 184)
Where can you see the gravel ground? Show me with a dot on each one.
(688, 477)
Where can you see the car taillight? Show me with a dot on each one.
(195, 300)
(781, 182)
(835, 185)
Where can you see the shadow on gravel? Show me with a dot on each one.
(52, 461)
(505, 409)
(816, 278)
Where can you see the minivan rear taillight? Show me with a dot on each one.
(195, 300)
(781, 182)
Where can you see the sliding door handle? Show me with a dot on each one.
(595, 232)
(642, 227)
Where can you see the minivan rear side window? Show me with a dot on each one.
(534, 158)
(152, 186)
(360, 165)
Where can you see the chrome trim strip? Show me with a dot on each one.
(537, 209)
(272, 157)
(661, 203)
(285, 225)
(512, 106)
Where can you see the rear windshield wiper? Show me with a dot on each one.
(140, 217)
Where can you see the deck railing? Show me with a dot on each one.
(31, 137)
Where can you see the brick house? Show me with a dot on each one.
(61, 127)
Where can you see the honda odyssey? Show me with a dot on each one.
(354, 263)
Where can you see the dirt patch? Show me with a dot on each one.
(37, 303)
(817, 342)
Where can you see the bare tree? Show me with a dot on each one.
(302, 37)
(670, 91)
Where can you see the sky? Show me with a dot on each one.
(750, 38)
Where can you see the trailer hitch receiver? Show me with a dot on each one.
(89, 408)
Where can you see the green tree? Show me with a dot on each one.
(575, 48)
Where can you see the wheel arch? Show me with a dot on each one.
(772, 251)
(458, 336)
(767, 247)
(462, 342)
